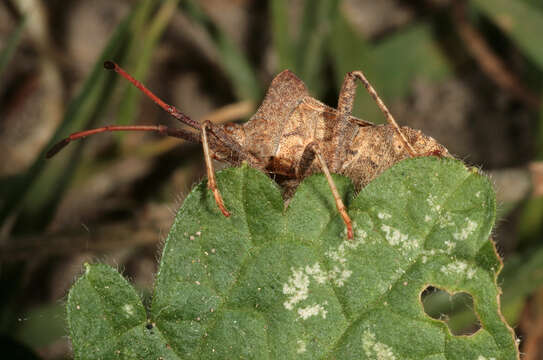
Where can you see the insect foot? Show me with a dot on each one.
(288, 132)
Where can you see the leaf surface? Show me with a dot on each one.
(269, 283)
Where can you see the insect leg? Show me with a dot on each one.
(312, 148)
(211, 182)
(306, 160)
(346, 100)
(232, 144)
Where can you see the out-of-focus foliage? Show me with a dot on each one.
(11, 45)
(520, 20)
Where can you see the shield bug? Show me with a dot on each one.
(292, 135)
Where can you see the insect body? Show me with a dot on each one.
(293, 135)
(277, 137)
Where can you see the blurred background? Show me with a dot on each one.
(468, 73)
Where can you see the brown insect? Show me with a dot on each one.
(288, 132)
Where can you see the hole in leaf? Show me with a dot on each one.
(456, 311)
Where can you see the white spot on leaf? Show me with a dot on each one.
(313, 310)
(396, 238)
(360, 236)
(374, 349)
(129, 309)
(384, 216)
(318, 274)
(450, 246)
(301, 347)
(466, 230)
(445, 220)
(297, 287)
(393, 236)
(432, 201)
(458, 268)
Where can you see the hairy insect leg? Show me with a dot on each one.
(310, 152)
(346, 101)
(211, 182)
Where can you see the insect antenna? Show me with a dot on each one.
(170, 109)
(161, 129)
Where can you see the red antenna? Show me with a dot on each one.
(161, 129)
(110, 65)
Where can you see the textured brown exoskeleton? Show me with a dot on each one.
(293, 135)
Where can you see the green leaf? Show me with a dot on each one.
(106, 319)
(270, 283)
(520, 20)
